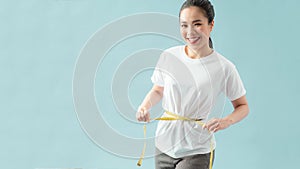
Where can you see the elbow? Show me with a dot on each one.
(158, 92)
(247, 110)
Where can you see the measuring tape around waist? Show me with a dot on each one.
(172, 117)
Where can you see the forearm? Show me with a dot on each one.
(239, 113)
(151, 99)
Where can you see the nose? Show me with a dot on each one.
(190, 31)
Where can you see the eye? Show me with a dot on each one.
(198, 24)
(184, 26)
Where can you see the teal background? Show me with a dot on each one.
(40, 41)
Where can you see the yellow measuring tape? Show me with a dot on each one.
(171, 117)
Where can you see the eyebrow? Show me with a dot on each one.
(194, 21)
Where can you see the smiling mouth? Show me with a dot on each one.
(193, 40)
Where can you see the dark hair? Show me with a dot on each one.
(205, 6)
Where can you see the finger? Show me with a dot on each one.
(140, 115)
(143, 114)
(215, 130)
(140, 118)
(211, 123)
(148, 117)
(213, 127)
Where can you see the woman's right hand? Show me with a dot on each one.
(143, 114)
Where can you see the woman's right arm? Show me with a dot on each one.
(151, 99)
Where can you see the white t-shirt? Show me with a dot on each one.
(191, 89)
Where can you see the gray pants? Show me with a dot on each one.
(198, 161)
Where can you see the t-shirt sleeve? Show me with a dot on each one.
(157, 77)
(234, 85)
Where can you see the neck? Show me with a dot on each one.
(199, 53)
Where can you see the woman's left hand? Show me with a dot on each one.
(217, 124)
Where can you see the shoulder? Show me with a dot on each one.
(171, 57)
(227, 65)
(171, 53)
(175, 50)
(224, 60)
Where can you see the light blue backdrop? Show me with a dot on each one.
(40, 41)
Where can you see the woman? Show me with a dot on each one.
(190, 79)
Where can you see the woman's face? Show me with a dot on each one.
(194, 27)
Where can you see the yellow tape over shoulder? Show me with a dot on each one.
(171, 117)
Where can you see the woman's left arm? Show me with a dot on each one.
(241, 110)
